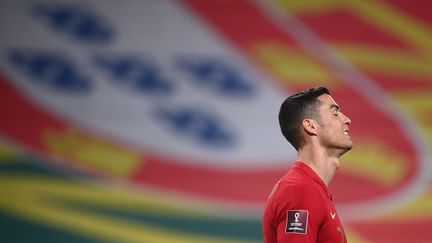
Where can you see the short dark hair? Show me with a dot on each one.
(294, 109)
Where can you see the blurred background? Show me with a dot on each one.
(156, 121)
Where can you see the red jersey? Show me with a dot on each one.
(300, 209)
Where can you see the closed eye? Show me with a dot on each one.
(335, 109)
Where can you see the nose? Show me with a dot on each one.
(347, 120)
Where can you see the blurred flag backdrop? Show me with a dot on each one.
(156, 121)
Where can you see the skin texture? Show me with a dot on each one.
(327, 138)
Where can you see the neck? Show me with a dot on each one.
(323, 163)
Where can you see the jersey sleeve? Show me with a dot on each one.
(268, 229)
(297, 213)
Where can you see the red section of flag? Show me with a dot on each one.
(21, 119)
(401, 84)
(239, 20)
(419, 10)
(240, 186)
(395, 231)
(342, 26)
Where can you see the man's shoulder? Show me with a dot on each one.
(293, 195)
(298, 189)
(297, 180)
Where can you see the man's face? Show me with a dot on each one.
(334, 131)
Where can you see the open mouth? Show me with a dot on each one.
(346, 132)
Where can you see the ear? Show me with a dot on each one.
(310, 126)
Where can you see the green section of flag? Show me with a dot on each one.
(14, 230)
(204, 225)
(19, 228)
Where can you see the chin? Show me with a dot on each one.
(348, 145)
(345, 148)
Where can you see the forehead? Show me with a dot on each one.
(327, 101)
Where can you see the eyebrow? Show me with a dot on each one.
(334, 106)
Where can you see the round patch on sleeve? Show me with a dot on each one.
(297, 221)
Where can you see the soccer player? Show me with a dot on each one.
(300, 207)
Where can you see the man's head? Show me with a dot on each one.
(313, 112)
